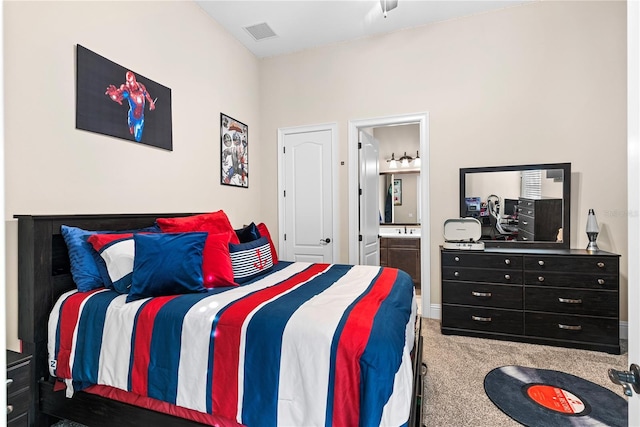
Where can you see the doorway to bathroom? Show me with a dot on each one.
(371, 178)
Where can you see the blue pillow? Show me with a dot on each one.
(84, 269)
(248, 233)
(249, 260)
(167, 264)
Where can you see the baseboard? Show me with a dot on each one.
(436, 313)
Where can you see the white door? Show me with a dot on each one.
(369, 199)
(633, 189)
(307, 196)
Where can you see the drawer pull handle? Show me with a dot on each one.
(570, 327)
(9, 381)
(507, 276)
(9, 409)
(570, 301)
(456, 259)
(507, 261)
(600, 281)
(480, 294)
(455, 273)
(525, 238)
(540, 278)
(525, 222)
(481, 319)
(529, 212)
(600, 264)
(541, 262)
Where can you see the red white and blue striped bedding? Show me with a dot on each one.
(306, 345)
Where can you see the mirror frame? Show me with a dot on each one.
(566, 204)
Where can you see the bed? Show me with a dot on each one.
(353, 392)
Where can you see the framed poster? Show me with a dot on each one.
(397, 192)
(116, 101)
(234, 152)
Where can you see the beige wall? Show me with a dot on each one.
(538, 83)
(52, 168)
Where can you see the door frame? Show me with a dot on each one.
(282, 133)
(422, 119)
(633, 194)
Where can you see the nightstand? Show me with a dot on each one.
(18, 388)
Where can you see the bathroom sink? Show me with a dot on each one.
(399, 232)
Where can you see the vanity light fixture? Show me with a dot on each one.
(392, 162)
(417, 162)
(405, 161)
(388, 5)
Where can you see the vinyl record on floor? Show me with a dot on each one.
(541, 397)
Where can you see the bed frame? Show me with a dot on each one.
(44, 275)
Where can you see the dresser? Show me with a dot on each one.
(18, 389)
(402, 253)
(560, 297)
(539, 219)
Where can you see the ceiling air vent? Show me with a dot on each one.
(260, 31)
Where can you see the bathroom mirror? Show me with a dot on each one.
(400, 198)
(519, 206)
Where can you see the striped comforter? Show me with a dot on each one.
(306, 345)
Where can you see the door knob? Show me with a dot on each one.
(327, 240)
(627, 379)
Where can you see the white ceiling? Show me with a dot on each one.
(302, 24)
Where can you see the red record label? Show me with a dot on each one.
(556, 399)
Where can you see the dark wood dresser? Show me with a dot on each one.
(402, 253)
(18, 389)
(539, 219)
(560, 297)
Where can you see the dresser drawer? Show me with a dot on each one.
(484, 275)
(572, 280)
(571, 301)
(481, 294)
(526, 204)
(583, 264)
(18, 388)
(21, 421)
(18, 377)
(526, 223)
(482, 319)
(525, 236)
(19, 402)
(481, 260)
(526, 210)
(572, 328)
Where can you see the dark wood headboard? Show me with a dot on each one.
(44, 272)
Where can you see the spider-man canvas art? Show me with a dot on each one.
(116, 101)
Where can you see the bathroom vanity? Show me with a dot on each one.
(402, 252)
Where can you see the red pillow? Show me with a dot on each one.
(216, 261)
(215, 222)
(264, 232)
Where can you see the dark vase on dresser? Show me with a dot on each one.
(559, 297)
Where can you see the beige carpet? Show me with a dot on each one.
(456, 366)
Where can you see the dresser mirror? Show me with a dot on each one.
(519, 206)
